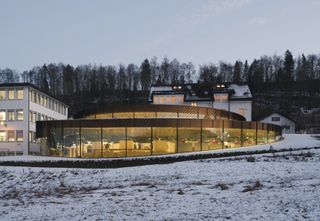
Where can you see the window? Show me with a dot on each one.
(242, 111)
(20, 94)
(19, 114)
(10, 115)
(2, 94)
(34, 96)
(34, 118)
(2, 136)
(11, 94)
(19, 136)
(161, 99)
(2, 115)
(275, 118)
(30, 136)
(180, 99)
(220, 97)
(11, 136)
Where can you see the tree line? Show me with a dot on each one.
(85, 84)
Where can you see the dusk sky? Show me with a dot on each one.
(105, 32)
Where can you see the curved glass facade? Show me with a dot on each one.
(166, 131)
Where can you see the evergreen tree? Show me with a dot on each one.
(145, 75)
(288, 67)
(237, 72)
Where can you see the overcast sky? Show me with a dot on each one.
(34, 32)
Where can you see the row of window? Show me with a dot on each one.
(161, 99)
(34, 116)
(11, 136)
(47, 102)
(11, 115)
(11, 94)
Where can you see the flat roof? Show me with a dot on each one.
(26, 84)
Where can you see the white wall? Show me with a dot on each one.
(243, 108)
(26, 105)
(283, 122)
(16, 125)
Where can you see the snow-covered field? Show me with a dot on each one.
(282, 186)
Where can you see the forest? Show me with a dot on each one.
(90, 85)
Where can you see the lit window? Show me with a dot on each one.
(2, 94)
(2, 136)
(220, 97)
(173, 100)
(19, 114)
(19, 136)
(2, 115)
(11, 136)
(20, 94)
(10, 115)
(11, 94)
(161, 100)
(34, 118)
(168, 100)
(180, 99)
(30, 136)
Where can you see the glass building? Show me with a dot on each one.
(145, 130)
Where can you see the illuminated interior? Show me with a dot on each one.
(146, 133)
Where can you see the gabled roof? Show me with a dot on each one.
(289, 118)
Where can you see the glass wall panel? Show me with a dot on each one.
(232, 136)
(114, 142)
(189, 139)
(144, 115)
(211, 138)
(71, 141)
(91, 142)
(164, 140)
(139, 141)
(123, 115)
(167, 115)
(249, 133)
(271, 136)
(249, 137)
(262, 136)
(101, 116)
(54, 141)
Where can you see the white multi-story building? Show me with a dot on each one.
(231, 97)
(21, 105)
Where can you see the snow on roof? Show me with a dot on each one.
(158, 88)
(240, 91)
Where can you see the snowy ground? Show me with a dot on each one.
(282, 186)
